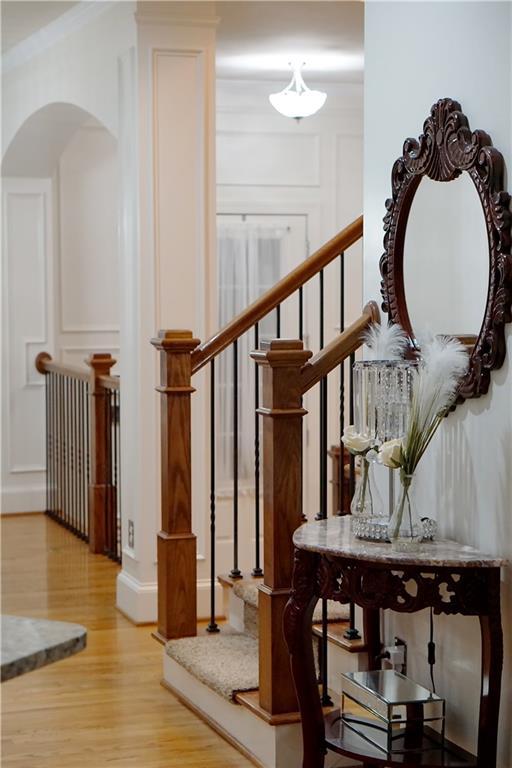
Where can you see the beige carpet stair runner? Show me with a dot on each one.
(227, 661)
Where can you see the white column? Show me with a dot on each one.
(167, 134)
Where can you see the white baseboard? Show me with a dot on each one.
(139, 602)
(136, 600)
(20, 499)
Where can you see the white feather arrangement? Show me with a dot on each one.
(386, 342)
(444, 361)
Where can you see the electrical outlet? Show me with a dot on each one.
(131, 534)
(395, 656)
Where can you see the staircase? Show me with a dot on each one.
(227, 662)
(236, 673)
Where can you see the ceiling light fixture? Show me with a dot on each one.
(297, 100)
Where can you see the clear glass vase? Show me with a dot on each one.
(367, 508)
(405, 529)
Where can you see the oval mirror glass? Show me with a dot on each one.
(446, 258)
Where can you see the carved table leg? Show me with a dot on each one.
(298, 616)
(492, 663)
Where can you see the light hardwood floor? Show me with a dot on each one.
(103, 707)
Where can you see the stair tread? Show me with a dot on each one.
(247, 590)
(335, 634)
(227, 662)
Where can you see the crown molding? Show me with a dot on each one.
(56, 30)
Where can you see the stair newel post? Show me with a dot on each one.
(99, 483)
(176, 545)
(281, 361)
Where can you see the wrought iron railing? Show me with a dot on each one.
(83, 450)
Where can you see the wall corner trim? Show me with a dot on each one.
(70, 21)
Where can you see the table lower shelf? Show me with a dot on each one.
(351, 744)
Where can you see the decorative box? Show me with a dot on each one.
(393, 712)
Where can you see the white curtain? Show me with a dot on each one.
(249, 262)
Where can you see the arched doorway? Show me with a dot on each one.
(61, 273)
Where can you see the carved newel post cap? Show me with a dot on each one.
(282, 353)
(175, 340)
(101, 363)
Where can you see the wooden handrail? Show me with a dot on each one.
(339, 349)
(45, 364)
(109, 382)
(277, 294)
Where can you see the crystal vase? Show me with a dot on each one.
(382, 397)
(405, 529)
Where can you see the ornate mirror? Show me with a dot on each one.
(447, 265)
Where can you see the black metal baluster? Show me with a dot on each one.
(212, 626)
(119, 532)
(301, 313)
(115, 436)
(68, 453)
(352, 632)
(322, 514)
(79, 459)
(55, 480)
(49, 459)
(47, 435)
(75, 451)
(79, 455)
(82, 462)
(72, 509)
(322, 507)
(62, 450)
(85, 489)
(257, 570)
(235, 571)
(70, 458)
(108, 455)
(87, 456)
(278, 321)
(341, 464)
(57, 445)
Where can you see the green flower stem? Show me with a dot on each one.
(406, 484)
(366, 469)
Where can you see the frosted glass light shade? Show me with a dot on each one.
(297, 100)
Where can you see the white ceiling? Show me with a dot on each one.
(255, 40)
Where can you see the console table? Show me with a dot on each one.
(449, 577)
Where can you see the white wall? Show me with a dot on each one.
(415, 54)
(27, 329)
(88, 283)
